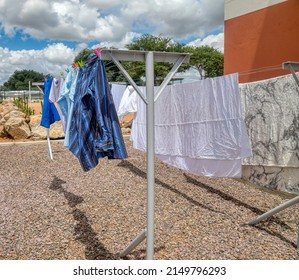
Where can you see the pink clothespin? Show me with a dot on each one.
(97, 51)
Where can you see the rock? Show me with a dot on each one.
(56, 130)
(17, 128)
(38, 131)
(2, 132)
(16, 114)
(2, 120)
(125, 130)
(7, 110)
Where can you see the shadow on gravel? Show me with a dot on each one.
(94, 249)
(139, 172)
(238, 203)
(232, 199)
(251, 208)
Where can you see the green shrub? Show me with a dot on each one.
(22, 104)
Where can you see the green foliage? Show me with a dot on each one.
(206, 58)
(112, 71)
(22, 104)
(20, 79)
(203, 58)
(82, 56)
(152, 43)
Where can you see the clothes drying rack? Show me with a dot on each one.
(149, 57)
(292, 66)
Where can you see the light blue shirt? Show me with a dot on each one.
(66, 101)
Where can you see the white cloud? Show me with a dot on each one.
(53, 59)
(178, 18)
(112, 23)
(110, 20)
(127, 39)
(215, 41)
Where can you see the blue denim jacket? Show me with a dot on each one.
(95, 131)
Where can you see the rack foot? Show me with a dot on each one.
(134, 243)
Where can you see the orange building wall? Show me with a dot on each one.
(262, 40)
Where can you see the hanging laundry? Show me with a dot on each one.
(66, 101)
(198, 127)
(49, 111)
(94, 131)
(128, 103)
(57, 84)
(117, 91)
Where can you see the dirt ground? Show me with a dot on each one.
(37, 107)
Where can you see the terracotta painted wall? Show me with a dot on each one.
(258, 42)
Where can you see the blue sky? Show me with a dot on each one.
(45, 35)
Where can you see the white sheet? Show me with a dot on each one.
(128, 103)
(198, 127)
(117, 91)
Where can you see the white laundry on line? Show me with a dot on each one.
(198, 127)
(128, 103)
(117, 91)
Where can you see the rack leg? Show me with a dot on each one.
(274, 211)
(49, 144)
(133, 244)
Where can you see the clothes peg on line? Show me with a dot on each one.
(97, 52)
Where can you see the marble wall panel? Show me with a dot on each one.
(271, 114)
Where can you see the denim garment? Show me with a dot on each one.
(50, 113)
(95, 131)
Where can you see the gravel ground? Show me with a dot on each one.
(53, 210)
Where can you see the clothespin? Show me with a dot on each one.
(80, 63)
(98, 52)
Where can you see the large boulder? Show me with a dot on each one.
(17, 128)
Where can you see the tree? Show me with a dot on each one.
(149, 42)
(112, 72)
(82, 55)
(20, 79)
(207, 60)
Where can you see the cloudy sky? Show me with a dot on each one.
(46, 35)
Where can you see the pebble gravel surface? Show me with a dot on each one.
(52, 210)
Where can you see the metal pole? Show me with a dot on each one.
(170, 75)
(49, 144)
(150, 146)
(128, 77)
(274, 210)
(133, 244)
(29, 92)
